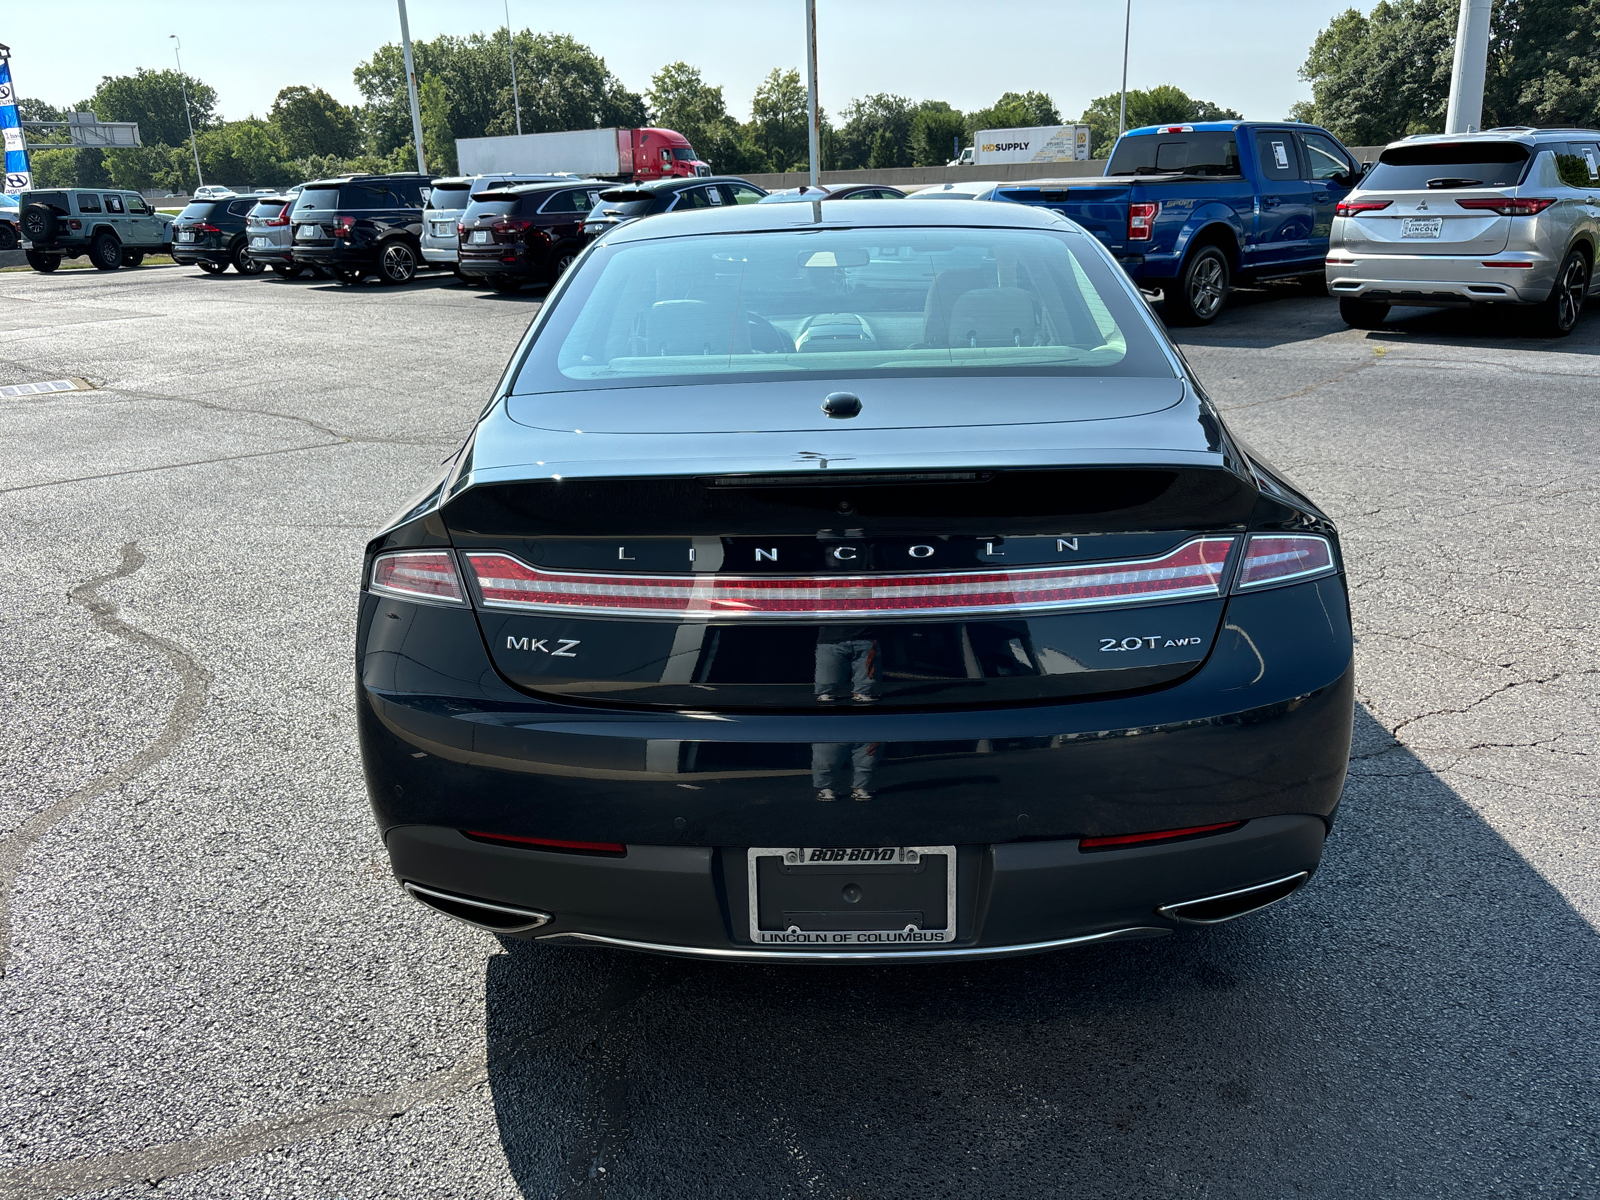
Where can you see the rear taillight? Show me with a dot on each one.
(1162, 835)
(418, 575)
(281, 219)
(343, 227)
(1281, 558)
(204, 228)
(1525, 207)
(461, 230)
(1351, 208)
(1192, 571)
(1141, 220)
(75, 224)
(510, 225)
(616, 849)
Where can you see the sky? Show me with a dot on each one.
(1242, 54)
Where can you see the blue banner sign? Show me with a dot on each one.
(17, 177)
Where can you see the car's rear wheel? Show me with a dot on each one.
(397, 263)
(211, 268)
(1363, 314)
(505, 283)
(43, 262)
(243, 263)
(1201, 289)
(8, 236)
(105, 252)
(560, 259)
(132, 258)
(1558, 315)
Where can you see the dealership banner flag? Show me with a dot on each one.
(17, 177)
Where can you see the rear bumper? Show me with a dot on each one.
(1442, 281)
(442, 251)
(335, 256)
(1012, 898)
(280, 256)
(189, 255)
(524, 264)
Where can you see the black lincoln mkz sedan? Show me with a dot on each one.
(852, 582)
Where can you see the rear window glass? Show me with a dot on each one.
(490, 208)
(569, 201)
(56, 202)
(320, 199)
(198, 211)
(627, 203)
(267, 209)
(88, 203)
(1213, 153)
(449, 195)
(1448, 165)
(843, 302)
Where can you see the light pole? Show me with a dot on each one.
(411, 87)
(814, 125)
(511, 53)
(1465, 112)
(1127, 28)
(177, 47)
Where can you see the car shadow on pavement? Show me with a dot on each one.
(1417, 1022)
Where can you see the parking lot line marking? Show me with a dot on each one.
(201, 462)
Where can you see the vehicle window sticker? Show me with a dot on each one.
(1594, 165)
(714, 195)
(1280, 154)
(113, 204)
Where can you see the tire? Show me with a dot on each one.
(560, 259)
(1201, 289)
(397, 262)
(8, 236)
(39, 223)
(105, 252)
(243, 263)
(347, 274)
(43, 262)
(132, 258)
(1558, 315)
(211, 268)
(505, 283)
(1363, 314)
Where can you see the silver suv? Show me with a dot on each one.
(447, 202)
(1505, 217)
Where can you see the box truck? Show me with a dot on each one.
(1036, 144)
(626, 155)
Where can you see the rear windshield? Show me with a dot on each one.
(628, 203)
(449, 195)
(1448, 165)
(843, 302)
(490, 208)
(55, 201)
(1213, 153)
(199, 210)
(268, 208)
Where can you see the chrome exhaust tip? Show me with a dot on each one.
(480, 914)
(1213, 910)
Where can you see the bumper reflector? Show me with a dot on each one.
(1192, 571)
(616, 848)
(1274, 558)
(1160, 835)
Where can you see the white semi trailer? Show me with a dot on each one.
(1036, 144)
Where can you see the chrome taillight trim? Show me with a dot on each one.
(701, 601)
(418, 597)
(1329, 568)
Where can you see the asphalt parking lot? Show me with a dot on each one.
(213, 988)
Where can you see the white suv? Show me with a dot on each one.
(1504, 217)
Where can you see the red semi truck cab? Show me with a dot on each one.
(658, 154)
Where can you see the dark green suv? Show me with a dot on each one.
(114, 228)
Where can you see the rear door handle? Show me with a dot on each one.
(1272, 201)
(1324, 197)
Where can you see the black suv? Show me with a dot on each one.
(210, 234)
(512, 234)
(362, 224)
(631, 201)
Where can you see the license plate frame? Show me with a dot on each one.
(308, 233)
(480, 237)
(260, 243)
(1421, 227)
(908, 937)
(185, 236)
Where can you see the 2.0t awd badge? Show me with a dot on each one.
(1108, 645)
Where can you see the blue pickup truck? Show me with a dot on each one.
(1192, 209)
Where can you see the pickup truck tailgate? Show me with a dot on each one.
(1099, 205)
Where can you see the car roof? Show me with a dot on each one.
(1218, 126)
(679, 181)
(963, 187)
(1527, 135)
(365, 177)
(841, 214)
(527, 187)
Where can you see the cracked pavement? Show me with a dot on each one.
(212, 987)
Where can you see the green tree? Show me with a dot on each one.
(438, 141)
(155, 100)
(876, 127)
(563, 85)
(935, 130)
(29, 109)
(311, 122)
(680, 99)
(1161, 105)
(1015, 110)
(778, 115)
